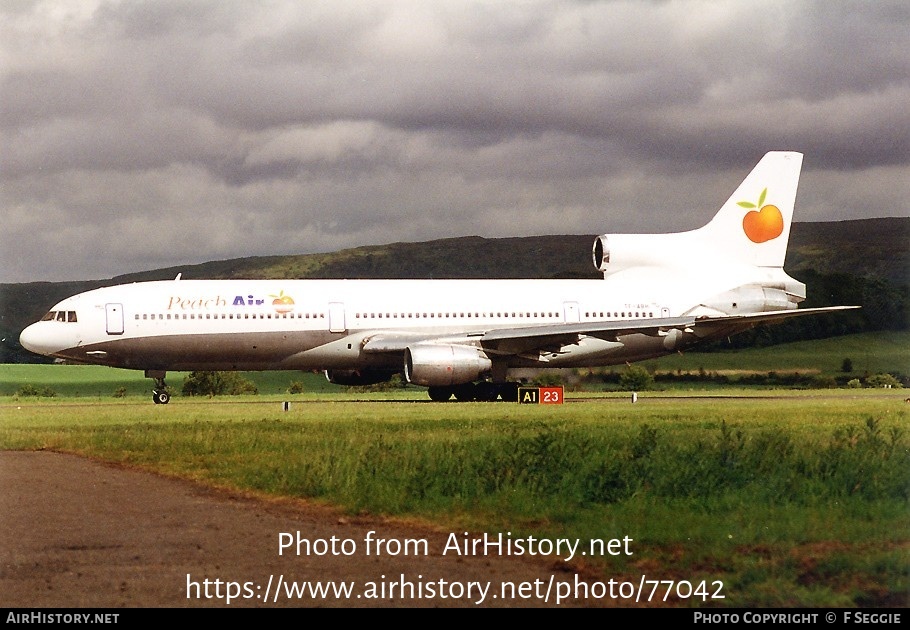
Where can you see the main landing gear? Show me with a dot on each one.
(160, 395)
(484, 391)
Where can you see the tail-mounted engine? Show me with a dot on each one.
(601, 253)
(614, 252)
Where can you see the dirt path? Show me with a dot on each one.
(78, 533)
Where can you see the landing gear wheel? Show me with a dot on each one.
(439, 394)
(161, 398)
(160, 395)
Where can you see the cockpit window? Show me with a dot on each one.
(60, 316)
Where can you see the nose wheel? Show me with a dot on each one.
(160, 395)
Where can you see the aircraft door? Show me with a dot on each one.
(114, 318)
(336, 317)
(571, 313)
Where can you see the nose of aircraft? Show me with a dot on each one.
(38, 338)
(29, 339)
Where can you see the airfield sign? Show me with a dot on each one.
(540, 395)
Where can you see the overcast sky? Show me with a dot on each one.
(138, 135)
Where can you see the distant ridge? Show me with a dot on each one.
(864, 246)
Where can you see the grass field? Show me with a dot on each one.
(790, 499)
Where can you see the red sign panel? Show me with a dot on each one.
(551, 396)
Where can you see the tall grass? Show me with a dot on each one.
(790, 500)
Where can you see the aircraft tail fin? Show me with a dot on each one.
(753, 226)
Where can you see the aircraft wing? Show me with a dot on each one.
(523, 339)
(551, 337)
(533, 338)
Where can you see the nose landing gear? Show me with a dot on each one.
(160, 395)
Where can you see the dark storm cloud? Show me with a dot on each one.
(163, 132)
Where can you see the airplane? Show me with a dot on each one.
(660, 294)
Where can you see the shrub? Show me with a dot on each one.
(548, 379)
(882, 380)
(296, 387)
(29, 390)
(823, 381)
(217, 384)
(636, 379)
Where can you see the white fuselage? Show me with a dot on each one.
(324, 324)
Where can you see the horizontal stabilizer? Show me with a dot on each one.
(773, 316)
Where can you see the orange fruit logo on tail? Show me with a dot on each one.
(764, 224)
